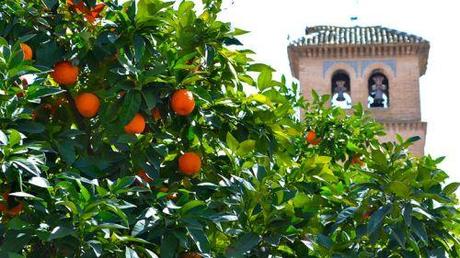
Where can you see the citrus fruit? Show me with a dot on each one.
(136, 125)
(65, 73)
(27, 51)
(144, 176)
(312, 138)
(190, 163)
(156, 115)
(182, 102)
(87, 104)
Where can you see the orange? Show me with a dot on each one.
(91, 14)
(156, 115)
(312, 138)
(144, 176)
(65, 73)
(190, 163)
(357, 160)
(367, 214)
(191, 255)
(87, 104)
(137, 125)
(27, 51)
(182, 102)
(163, 189)
(14, 211)
(172, 196)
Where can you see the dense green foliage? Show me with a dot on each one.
(263, 191)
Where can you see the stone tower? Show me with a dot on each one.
(376, 66)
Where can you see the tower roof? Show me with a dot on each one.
(345, 42)
(372, 35)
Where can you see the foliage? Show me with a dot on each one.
(262, 189)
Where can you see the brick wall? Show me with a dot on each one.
(402, 73)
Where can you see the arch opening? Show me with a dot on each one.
(379, 89)
(340, 90)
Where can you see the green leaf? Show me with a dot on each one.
(122, 184)
(130, 253)
(407, 213)
(345, 214)
(131, 105)
(246, 147)
(66, 149)
(399, 188)
(39, 181)
(60, 232)
(192, 205)
(232, 142)
(451, 188)
(397, 234)
(168, 246)
(200, 239)
(377, 218)
(243, 244)
(325, 241)
(15, 137)
(419, 229)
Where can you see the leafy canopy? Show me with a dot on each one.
(262, 189)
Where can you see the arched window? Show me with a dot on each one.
(340, 90)
(378, 87)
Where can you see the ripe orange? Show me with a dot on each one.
(367, 214)
(4, 207)
(137, 125)
(156, 115)
(65, 73)
(27, 50)
(144, 176)
(87, 104)
(172, 196)
(15, 210)
(357, 160)
(312, 138)
(91, 14)
(182, 102)
(191, 255)
(190, 163)
(163, 189)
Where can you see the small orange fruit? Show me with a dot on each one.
(137, 125)
(27, 51)
(357, 160)
(14, 211)
(182, 102)
(156, 115)
(191, 255)
(312, 138)
(190, 163)
(163, 189)
(172, 196)
(87, 104)
(367, 214)
(144, 176)
(65, 73)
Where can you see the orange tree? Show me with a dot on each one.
(136, 137)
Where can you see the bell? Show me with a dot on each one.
(340, 96)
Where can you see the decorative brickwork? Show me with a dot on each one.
(361, 51)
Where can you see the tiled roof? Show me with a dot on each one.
(333, 35)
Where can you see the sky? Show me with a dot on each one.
(272, 22)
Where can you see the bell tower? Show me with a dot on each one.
(376, 66)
